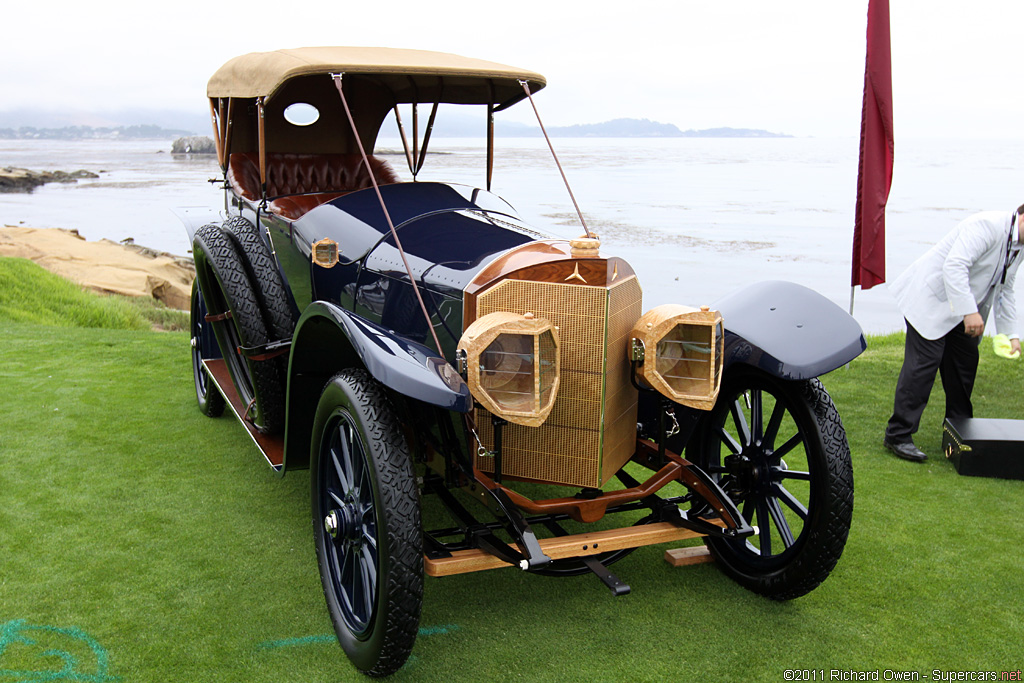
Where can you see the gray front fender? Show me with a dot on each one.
(788, 330)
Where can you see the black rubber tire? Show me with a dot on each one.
(211, 403)
(793, 455)
(266, 278)
(226, 287)
(379, 545)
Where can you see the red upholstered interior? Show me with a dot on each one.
(304, 181)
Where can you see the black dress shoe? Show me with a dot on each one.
(907, 451)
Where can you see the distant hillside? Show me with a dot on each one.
(732, 133)
(645, 128)
(182, 122)
(90, 133)
(464, 126)
(26, 124)
(618, 128)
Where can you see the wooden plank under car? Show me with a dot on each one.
(577, 545)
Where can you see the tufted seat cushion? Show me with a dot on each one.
(301, 182)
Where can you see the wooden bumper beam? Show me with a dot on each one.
(577, 545)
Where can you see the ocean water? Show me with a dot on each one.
(697, 218)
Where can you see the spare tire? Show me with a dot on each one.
(227, 289)
(271, 293)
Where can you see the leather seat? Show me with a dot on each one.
(300, 182)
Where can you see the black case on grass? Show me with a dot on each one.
(980, 447)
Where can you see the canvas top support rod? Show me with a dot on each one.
(526, 88)
(387, 216)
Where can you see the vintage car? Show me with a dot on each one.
(417, 347)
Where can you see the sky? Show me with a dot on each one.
(789, 66)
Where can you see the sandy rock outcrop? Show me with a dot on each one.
(103, 266)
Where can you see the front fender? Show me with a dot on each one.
(788, 330)
(329, 339)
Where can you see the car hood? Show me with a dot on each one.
(448, 232)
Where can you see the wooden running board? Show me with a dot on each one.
(578, 545)
(272, 447)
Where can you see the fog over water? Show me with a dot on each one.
(697, 218)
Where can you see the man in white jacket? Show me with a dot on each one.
(946, 296)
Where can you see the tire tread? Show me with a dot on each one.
(231, 276)
(401, 506)
(828, 523)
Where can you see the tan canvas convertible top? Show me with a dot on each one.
(407, 73)
(250, 95)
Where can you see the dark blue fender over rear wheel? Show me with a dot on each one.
(778, 448)
(366, 523)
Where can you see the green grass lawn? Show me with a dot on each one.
(141, 541)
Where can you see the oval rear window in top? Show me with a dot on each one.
(301, 114)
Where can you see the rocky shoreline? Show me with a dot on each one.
(13, 179)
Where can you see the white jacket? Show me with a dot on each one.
(962, 274)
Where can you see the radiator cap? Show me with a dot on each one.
(585, 247)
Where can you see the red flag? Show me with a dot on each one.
(874, 177)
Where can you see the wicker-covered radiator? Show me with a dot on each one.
(591, 431)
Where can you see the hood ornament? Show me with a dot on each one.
(576, 275)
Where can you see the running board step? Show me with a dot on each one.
(271, 447)
(577, 545)
(617, 586)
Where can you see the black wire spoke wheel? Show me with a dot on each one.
(366, 524)
(227, 289)
(211, 403)
(778, 448)
(350, 520)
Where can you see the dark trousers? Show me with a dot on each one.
(955, 356)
